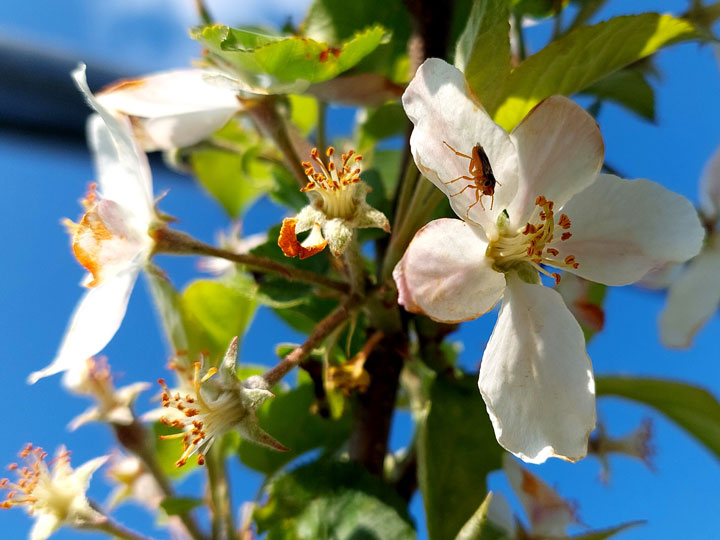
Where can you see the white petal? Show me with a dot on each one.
(560, 152)
(500, 514)
(438, 102)
(622, 229)
(549, 513)
(693, 298)
(121, 416)
(710, 187)
(96, 319)
(123, 177)
(175, 108)
(90, 415)
(536, 378)
(44, 526)
(168, 93)
(445, 274)
(85, 471)
(122, 168)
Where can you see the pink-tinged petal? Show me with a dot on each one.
(97, 317)
(536, 378)
(118, 159)
(693, 298)
(445, 275)
(173, 108)
(622, 229)
(710, 188)
(122, 177)
(440, 105)
(549, 513)
(560, 151)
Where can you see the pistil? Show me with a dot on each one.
(531, 243)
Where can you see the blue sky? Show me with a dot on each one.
(43, 180)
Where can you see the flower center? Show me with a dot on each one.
(335, 185)
(531, 243)
(34, 486)
(200, 419)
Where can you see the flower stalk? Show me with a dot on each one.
(178, 243)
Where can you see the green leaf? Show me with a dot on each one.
(220, 312)
(584, 56)
(169, 309)
(538, 8)
(287, 59)
(629, 88)
(174, 506)
(289, 417)
(479, 527)
(483, 50)
(333, 21)
(382, 122)
(235, 180)
(693, 409)
(168, 451)
(333, 500)
(607, 533)
(303, 112)
(456, 451)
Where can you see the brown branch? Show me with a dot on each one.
(322, 330)
(272, 125)
(173, 242)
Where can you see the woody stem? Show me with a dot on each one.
(322, 330)
(173, 242)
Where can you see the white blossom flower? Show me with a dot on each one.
(172, 109)
(545, 205)
(216, 403)
(113, 405)
(337, 207)
(233, 241)
(111, 240)
(52, 492)
(695, 295)
(133, 481)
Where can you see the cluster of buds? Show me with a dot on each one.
(337, 207)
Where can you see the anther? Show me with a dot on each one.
(557, 277)
(565, 236)
(552, 251)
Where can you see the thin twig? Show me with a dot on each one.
(220, 495)
(179, 243)
(271, 124)
(134, 438)
(203, 12)
(115, 530)
(322, 330)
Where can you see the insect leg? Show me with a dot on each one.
(459, 178)
(456, 152)
(463, 189)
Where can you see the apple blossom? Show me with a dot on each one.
(113, 405)
(54, 494)
(550, 208)
(695, 295)
(133, 481)
(337, 207)
(172, 109)
(215, 403)
(111, 240)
